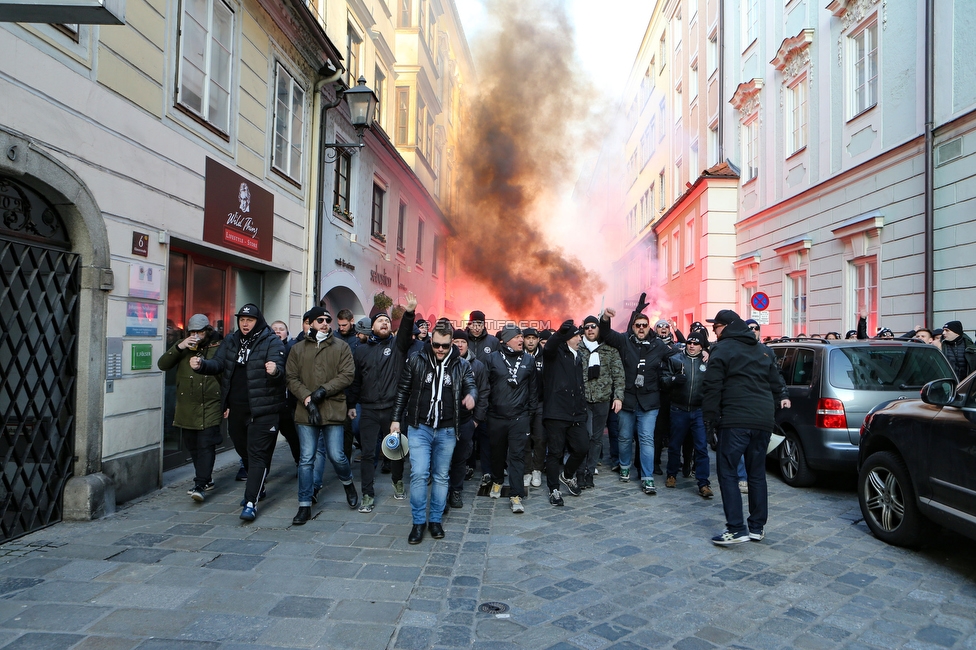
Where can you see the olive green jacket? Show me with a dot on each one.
(197, 396)
(610, 384)
(328, 365)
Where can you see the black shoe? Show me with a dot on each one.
(385, 468)
(469, 474)
(315, 495)
(686, 468)
(352, 497)
(615, 468)
(657, 470)
(454, 499)
(241, 473)
(555, 498)
(436, 530)
(416, 534)
(304, 514)
(588, 482)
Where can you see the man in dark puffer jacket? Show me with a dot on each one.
(252, 364)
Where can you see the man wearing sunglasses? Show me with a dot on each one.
(642, 353)
(435, 386)
(318, 370)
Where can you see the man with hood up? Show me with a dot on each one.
(251, 362)
(741, 390)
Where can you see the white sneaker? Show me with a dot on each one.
(744, 487)
(526, 480)
(536, 478)
(517, 506)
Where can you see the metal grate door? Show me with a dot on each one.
(39, 290)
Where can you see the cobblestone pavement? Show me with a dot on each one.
(612, 569)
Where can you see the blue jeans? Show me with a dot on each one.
(326, 440)
(681, 423)
(641, 422)
(732, 445)
(427, 445)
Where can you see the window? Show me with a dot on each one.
(403, 13)
(693, 82)
(750, 147)
(421, 121)
(645, 145)
(693, 168)
(289, 121)
(402, 114)
(420, 242)
(661, 109)
(677, 31)
(429, 138)
(206, 56)
(663, 261)
(751, 21)
(864, 69)
(376, 222)
(796, 136)
(353, 46)
(661, 186)
(341, 185)
(435, 254)
(797, 300)
(401, 228)
(663, 52)
(713, 145)
(865, 290)
(422, 19)
(675, 251)
(712, 54)
(690, 242)
(380, 88)
(678, 187)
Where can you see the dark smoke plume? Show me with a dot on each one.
(520, 137)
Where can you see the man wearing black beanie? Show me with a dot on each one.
(958, 349)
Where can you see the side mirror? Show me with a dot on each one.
(939, 392)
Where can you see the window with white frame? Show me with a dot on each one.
(690, 257)
(663, 261)
(750, 147)
(289, 121)
(713, 145)
(751, 21)
(437, 172)
(402, 114)
(420, 242)
(661, 115)
(864, 286)
(648, 208)
(675, 251)
(797, 303)
(380, 89)
(401, 228)
(663, 53)
(341, 186)
(642, 214)
(678, 188)
(660, 183)
(712, 53)
(796, 100)
(379, 207)
(354, 44)
(693, 82)
(421, 122)
(693, 169)
(206, 58)
(863, 83)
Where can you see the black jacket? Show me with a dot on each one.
(483, 346)
(742, 385)
(507, 400)
(481, 383)
(564, 396)
(686, 390)
(639, 358)
(378, 365)
(415, 388)
(961, 355)
(265, 393)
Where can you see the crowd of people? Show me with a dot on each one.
(523, 404)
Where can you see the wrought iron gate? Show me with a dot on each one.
(39, 288)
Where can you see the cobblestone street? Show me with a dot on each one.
(612, 569)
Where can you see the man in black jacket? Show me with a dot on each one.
(642, 353)
(471, 420)
(740, 392)
(683, 374)
(479, 340)
(512, 399)
(535, 448)
(378, 364)
(251, 362)
(564, 410)
(435, 385)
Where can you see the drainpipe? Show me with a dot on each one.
(720, 46)
(929, 297)
(313, 268)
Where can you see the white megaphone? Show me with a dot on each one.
(395, 446)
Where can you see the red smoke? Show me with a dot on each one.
(517, 152)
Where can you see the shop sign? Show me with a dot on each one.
(145, 281)
(380, 277)
(238, 214)
(142, 356)
(141, 319)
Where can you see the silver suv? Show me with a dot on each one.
(833, 385)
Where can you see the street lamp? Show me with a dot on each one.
(362, 105)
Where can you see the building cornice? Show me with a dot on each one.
(794, 246)
(794, 54)
(869, 224)
(851, 12)
(746, 97)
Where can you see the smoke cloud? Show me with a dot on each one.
(526, 122)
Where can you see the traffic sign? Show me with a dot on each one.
(760, 301)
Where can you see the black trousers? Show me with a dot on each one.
(462, 449)
(286, 422)
(374, 424)
(254, 440)
(202, 445)
(508, 440)
(561, 434)
(596, 422)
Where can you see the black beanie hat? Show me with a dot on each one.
(460, 334)
(954, 326)
(591, 319)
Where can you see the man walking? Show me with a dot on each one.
(479, 340)
(535, 448)
(564, 410)
(470, 421)
(318, 370)
(740, 392)
(198, 411)
(435, 385)
(512, 399)
(251, 362)
(378, 364)
(958, 349)
(604, 389)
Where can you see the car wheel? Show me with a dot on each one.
(793, 463)
(887, 499)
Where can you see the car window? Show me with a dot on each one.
(803, 368)
(886, 367)
(784, 359)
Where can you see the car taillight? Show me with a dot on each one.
(866, 424)
(831, 414)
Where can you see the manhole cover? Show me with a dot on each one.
(493, 608)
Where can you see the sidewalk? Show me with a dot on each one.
(612, 569)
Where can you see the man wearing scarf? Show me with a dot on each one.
(435, 385)
(251, 362)
(604, 386)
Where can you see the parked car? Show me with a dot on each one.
(832, 386)
(917, 462)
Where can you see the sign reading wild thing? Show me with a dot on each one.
(237, 214)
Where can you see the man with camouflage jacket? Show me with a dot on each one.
(603, 381)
